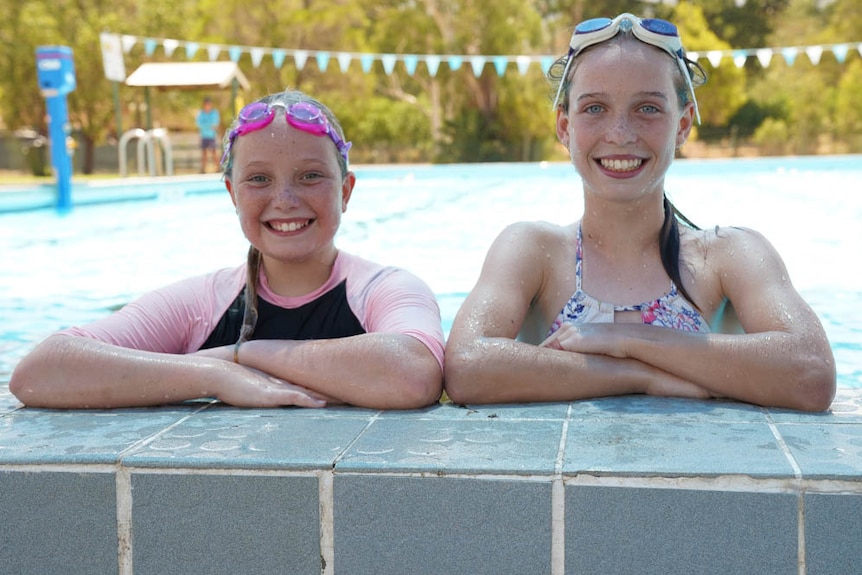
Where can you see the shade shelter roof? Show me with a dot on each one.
(188, 75)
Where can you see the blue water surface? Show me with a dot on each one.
(123, 238)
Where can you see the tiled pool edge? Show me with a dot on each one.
(623, 485)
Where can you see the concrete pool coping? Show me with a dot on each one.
(28, 197)
(618, 485)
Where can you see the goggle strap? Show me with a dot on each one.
(562, 80)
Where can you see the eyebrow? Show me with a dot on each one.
(644, 94)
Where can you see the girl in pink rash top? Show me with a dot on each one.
(299, 323)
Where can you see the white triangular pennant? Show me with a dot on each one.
(714, 57)
(814, 53)
(170, 46)
(343, 61)
(477, 63)
(256, 56)
(128, 42)
(764, 55)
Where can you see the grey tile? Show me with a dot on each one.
(217, 524)
(658, 408)
(514, 411)
(633, 446)
(455, 446)
(669, 531)
(833, 545)
(57, 523)
(34, 436)
(845, 408)
(233, 438)
(825, 451)
(399, 525)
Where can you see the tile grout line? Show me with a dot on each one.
(558, 504)
(326, 500)
(124, 520)
(800, 513)
(797, 471)
(800, 534)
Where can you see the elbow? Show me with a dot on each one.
(815, 389)
(461, 380)
(18, 385)
(24, 384)
(421, 388)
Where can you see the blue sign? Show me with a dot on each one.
(55, 71)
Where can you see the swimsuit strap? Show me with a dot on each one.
(579, 258)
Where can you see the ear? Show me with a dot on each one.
(563, 126)
(347, 190)
(686, 123)
(229, 185)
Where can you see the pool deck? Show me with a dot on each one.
(636, 485)
(27, 197)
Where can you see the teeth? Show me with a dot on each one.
(622, 165)
(288, 226)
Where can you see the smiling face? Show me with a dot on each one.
(625, 119)
(289, 193)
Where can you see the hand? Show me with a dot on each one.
(598, 338)
(610, 340)
(249, 387)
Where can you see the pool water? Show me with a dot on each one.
(438, 222)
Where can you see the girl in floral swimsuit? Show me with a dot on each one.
(660, 306)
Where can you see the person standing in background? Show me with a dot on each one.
(208, 121)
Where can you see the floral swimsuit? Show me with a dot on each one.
(670, 310)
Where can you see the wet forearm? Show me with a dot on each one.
(72, 372)
(375, 370)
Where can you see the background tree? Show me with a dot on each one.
(454, 114)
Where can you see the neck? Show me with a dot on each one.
(298, 278)
(621, 228)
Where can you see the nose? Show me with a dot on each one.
(286, 197)
(621, 129)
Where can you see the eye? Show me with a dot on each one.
(593, 109)
(312, 176)
(650, 109)
(258, 178)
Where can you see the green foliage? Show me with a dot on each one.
(724, 92)
(848, 101)
(455, 115)
(772, 137)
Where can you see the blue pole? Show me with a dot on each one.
(58, 120)
(55, 70)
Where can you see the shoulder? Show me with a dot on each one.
(363, 276)
(536, 230)
(524, 241)
(730, 246)
(735, 261)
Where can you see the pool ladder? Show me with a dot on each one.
(148, 140)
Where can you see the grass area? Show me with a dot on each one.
(19, 178)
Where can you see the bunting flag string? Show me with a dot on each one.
(500, 63)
